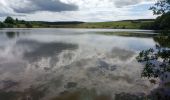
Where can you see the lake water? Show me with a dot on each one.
(57, 64)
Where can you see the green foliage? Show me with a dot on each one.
(161, 7)
(8, 95)
(129, 24)
(157, 62)
(126, 24)
(2, 25)
(147, 25)
(82, 94)
(162, 22)
(28, 25)
(29, 94)
(151, 68)
(9, 20)
(16, 20)
(165, 22)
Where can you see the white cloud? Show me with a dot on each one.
(4, 9)
(69, 10)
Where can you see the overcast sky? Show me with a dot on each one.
(76, 10)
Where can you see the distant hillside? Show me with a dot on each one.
(140, 20)
(58, 23)
(124, 24)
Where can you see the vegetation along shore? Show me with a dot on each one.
(153, 24)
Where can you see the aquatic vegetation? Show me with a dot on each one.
(82, 94)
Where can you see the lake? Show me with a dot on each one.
(57, 64)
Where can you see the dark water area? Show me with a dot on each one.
(73, 64)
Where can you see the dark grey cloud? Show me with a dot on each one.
(122, 3)
(32, 6)
(3, 14)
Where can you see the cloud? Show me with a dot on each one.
(121, 3)
(80, 10)
(31, 6)
(115, 3)
(4, 10)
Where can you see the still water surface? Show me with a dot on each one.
(46, 64)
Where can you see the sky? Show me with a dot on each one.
(76, 10)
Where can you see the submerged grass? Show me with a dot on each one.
(128, 34)
(28, 94)
(82, 94)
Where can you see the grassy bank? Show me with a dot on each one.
(111, 25)
(117, 25)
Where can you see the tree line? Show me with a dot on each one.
(162, 8)
(9, 22)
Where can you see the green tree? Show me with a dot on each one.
(149, 57)
(28, 24)
(161, 7)
(9, 20)
(157, 65)
(157, 60)
(165, 22)
(1, 25)
(16, 21)
(162, 22)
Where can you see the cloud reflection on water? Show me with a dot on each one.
(104, 63)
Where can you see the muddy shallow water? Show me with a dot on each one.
(79, 64)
